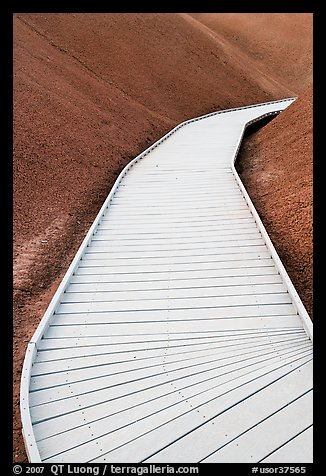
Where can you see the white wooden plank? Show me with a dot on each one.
(166, 192)
(177, 267)
(150, 170)
(217, 200)
(270, 433)
(219, 228)
(185, 201)
(181, 303)
(179, 181)
(164, 217)
(298, 450)
(93, 324)
(174, 421)
(121, 333)
(178, 216)
(195, 444)
(181, 275)
(118, 374)
(142, 171)
(213, 225)
(194, 250)
(176, 243)
(150, 353)
(182, 196)
(48, 404)
(184, 170)
(75, 297)
(91, 390)
(177, 257)
(107, 346)
(62, 402)
(81, 286)
(220, 233)
(88, 294)
(180, 207)
(223, 218)
(157, 173)
(185, 210)
(78, 436)
(186, 207)
(180, 228)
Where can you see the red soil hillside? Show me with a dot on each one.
(279, 43)
(91, 91)
(276, 164)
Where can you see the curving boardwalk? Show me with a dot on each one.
(176, 334)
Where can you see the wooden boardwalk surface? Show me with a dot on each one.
(176, 334)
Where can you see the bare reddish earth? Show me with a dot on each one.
(279, 44)
(276, 169)
(91, 91)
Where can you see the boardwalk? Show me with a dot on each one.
(176, 334)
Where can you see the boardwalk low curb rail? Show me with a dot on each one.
(176, 334)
